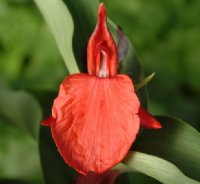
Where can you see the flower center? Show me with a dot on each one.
(102, 54)
(102, 60)
(103, 70)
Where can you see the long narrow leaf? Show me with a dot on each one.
(158, 168)
(144, 82)
(176, 142)
(61, 24)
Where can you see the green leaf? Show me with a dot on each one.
(21, 109)
(140, 178)
(84, 14)
(177, 142)
(55, 170)
(133, 177)
(131, 66)
(60, 22)
(158, 168)
(144, 82)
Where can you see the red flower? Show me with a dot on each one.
(95, 116)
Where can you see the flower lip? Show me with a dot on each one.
(102, 54)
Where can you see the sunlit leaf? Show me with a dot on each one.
(158, 168)
(84, 14)
(61, 24)
(176, 141)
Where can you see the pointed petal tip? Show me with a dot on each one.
(102, 12)
(47, 121)
(102, 8)
(101, 41)
(155, 124)
(147, 120)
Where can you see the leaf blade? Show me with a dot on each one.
(144, 82)
(178, 143)
(151, 166)
(61, 24)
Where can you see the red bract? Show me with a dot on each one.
(95, 116)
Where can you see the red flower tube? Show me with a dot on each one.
(95, 116)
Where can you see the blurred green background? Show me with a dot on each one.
(166, 36)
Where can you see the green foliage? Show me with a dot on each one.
(176, 142)
(60, 22)
(144, 82)
(157, 168)
(28, 54)
(84, 16)
(131, 66)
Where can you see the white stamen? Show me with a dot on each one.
(103, 71)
